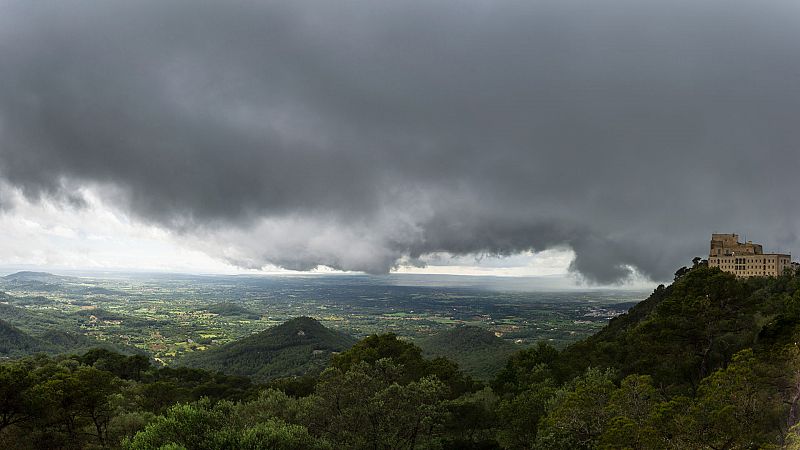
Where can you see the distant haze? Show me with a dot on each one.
(371, 136)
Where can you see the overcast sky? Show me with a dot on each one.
(597, 140)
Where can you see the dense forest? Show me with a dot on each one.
(709, 362)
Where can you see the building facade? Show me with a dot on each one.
(745, 259)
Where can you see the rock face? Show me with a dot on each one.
(297, 347)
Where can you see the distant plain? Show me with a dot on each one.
(170, 315)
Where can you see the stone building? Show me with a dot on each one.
(745, 259)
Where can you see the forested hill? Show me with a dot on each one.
(25, 332)
(710, 361)
(684, 332)
(14, 341)
(477, 351)
(298, 347)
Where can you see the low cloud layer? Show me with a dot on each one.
(361, 135)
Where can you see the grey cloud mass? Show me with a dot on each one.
(361, 134)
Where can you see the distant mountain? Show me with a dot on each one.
(33, 281)
(15, 342)
(43, 277)
(297, 347)
(28, 275)
(476, 350)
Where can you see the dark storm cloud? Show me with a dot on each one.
(356, 134)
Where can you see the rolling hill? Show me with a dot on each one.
(66, 342)
(29, 320)
(476, 350)
(25, 332)
(297, 347)
(15, 342)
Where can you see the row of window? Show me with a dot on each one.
(744, 267)
(746, 261)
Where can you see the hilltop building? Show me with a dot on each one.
(745, 260)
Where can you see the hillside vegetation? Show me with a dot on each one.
(14, 341)
(710, 362)
(40, 335)
(298, 347)
(477, 351)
